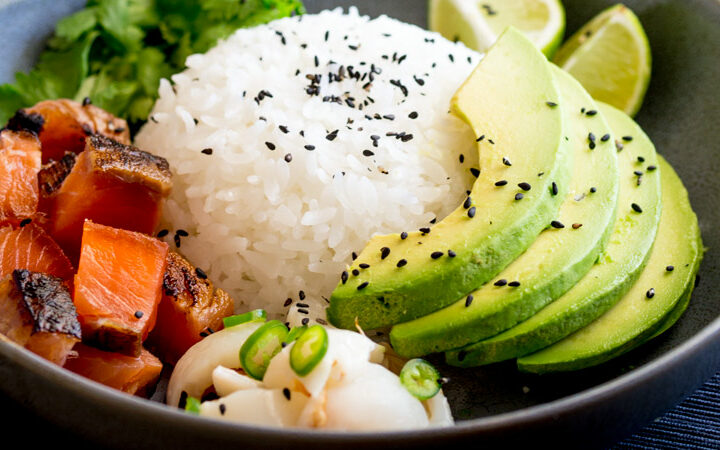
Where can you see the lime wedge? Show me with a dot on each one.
(478, 23)
(610, 56)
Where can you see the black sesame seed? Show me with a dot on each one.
(501, 183)
(362, 286)
(451, 254)
(424, 230)
(364, 265)
(222, 409)
(651, 168)
(475, 172)
(650, 293)
(468, 300)
(86, 101)
(436, 255)
(355, 272)
(389, 116)
(402, 263)
(591, 137)
(519, 196)
(557, 224)
(480, 138)
(286, 391)
(384, 252)
(605, 138)
(670, 268)
(309, 147)
(500, 283)
(467, 203)
(507, 162)
(524, 186)
(288, 157)
(305, 321)
(641, 159)
(462, 158)
(636, 208)
(301, 294)
(302, 305)
(139, 314)
(288, 302)
(200, 273)
(354, 256)
(25, 222)
(593, 190)
(627, 138)
(343, 277)
(413, 115)
(303, 311)
(331, 136)
(592, 145)
(551, 104)
(207, 151)
(163, 233)
(471, 212)
(591, 113)
(284, 129)
(367, 153)
(514, 284)
(182, 233)
(403, 235)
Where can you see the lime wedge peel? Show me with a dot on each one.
(610, 56)
(478, 23)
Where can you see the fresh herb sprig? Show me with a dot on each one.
(116, 51)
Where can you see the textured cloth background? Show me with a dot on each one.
(694, 424)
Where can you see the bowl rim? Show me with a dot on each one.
(97, 393)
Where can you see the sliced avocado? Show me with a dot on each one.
(559, 257)
(654, 297)
(608, 280)
(510, 101)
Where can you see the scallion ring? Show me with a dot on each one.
(261, 347)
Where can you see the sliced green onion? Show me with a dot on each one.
(309, 350)
(256, 315)
(192, 406)
(295, 333)
(420, 378)
(261, 347)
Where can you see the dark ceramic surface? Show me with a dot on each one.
(594, 407)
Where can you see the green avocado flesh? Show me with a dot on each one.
(618, 268)
(554, 262)
(520, 136)
(640, 314)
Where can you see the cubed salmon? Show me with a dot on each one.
(118, 287)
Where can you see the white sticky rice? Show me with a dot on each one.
(265, 228)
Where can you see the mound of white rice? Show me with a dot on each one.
(293, 143)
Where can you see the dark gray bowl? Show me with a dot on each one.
(592, 408)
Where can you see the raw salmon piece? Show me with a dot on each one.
(19, 166)
(110, 184)
(190, 307)
(134, 375)
(51, 177)
(118, 287)
(63, 125)
(30, 247)
(36, 311)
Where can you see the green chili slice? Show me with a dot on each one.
(420, 378)
(261, 347)
(309, 350)
(295, 333)
(256, 315)
(192, 406)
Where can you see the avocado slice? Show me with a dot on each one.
(641, 313)
(555, 261)
(608, 280)
(520, 133)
